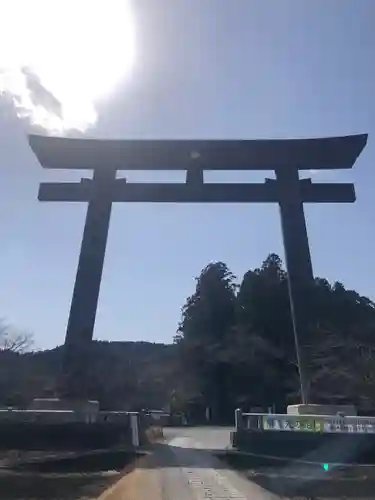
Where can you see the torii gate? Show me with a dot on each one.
(105, 157)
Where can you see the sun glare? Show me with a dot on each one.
(59, 57)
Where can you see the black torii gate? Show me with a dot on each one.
(105, 157)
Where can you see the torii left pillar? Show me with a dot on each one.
(76, 370)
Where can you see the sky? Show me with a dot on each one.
(239, 69)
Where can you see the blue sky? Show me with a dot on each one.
(205, 69)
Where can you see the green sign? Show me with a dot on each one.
(314, 423)
(292, 423)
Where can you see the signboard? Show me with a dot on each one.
(292, 423)
(349, 424)
(316, 423)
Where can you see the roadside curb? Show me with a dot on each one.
(115, 491)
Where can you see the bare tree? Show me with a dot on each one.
(14, 340)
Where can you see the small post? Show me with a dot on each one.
(207, 414)
(238, 419)
(134, 425)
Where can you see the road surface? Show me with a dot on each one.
(209, 438)
(182, 468)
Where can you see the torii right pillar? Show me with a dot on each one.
(298, 263)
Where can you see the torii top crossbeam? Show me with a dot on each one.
(304, 154)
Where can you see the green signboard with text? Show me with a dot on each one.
(315, 423)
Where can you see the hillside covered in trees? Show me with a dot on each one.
(123, 375)
(234, 348)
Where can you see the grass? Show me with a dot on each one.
(26, 486)
(297, 480)
(81, 477)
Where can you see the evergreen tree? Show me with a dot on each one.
(207, 320)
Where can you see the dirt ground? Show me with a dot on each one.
(177, 471)
(78, 479)
(54, 487)
(306, 482)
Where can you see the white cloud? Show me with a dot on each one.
(58, 57)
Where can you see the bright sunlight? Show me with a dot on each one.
(59, 57)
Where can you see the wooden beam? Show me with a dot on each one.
(120, 191)
(304, 154)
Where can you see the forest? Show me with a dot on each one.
(234, 347)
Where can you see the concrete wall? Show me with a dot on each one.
(330, 442)
(113, 416)
(70, 430)
(64, 436)
(310, 409)
(40, 416)
(64, 404)
(311, 447)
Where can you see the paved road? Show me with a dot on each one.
(209, 438)
(183, 469)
